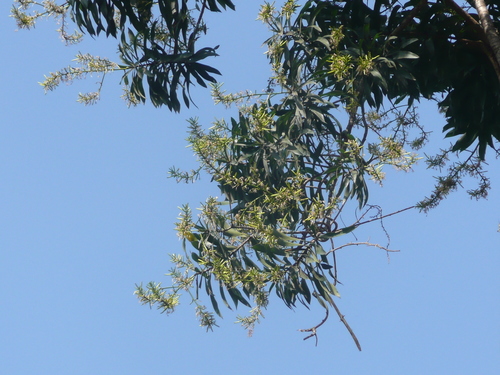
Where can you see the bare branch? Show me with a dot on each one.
(384, 216)
(351, 332)
(313, 329)
(365, 244)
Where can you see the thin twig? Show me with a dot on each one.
(342, 319)
(384, 216)
(365, 244)
(313, 329)
(197, 27)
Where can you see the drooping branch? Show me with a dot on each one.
(314, 332)
(351, 332)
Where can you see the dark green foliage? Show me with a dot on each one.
(286, 167)
(423, 48)
(287, 170)
(286, 173)
(433, 49)
(159, 51)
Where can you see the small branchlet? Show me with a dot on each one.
(206, 318)
(155, 294)
(87, 65)
(45, 9)
(471, 167)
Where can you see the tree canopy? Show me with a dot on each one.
(339, 107)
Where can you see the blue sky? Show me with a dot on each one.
(87, 212)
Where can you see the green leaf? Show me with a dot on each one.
(409, 41)
(320, 301)
(401, 55)
(237, 297)
(269, 250)
(223, 296)
(334, 290)
(195, 257)
(340, 232)
(215, 305)
(289, 240)
(305, 290)
(234, 233)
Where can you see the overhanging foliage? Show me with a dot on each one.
(288, 169)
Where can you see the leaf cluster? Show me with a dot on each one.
(286, 172)
(393, 51)
(289, 171)
(367, 56)
(157, 42)
(287, 168)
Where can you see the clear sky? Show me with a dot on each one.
(87, 211)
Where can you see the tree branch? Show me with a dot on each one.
(313, 329)
(488, 48)
(466, 16)
(365, 244)
(314, 332)
(488, 27)
(384, 216)
(351, 332)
